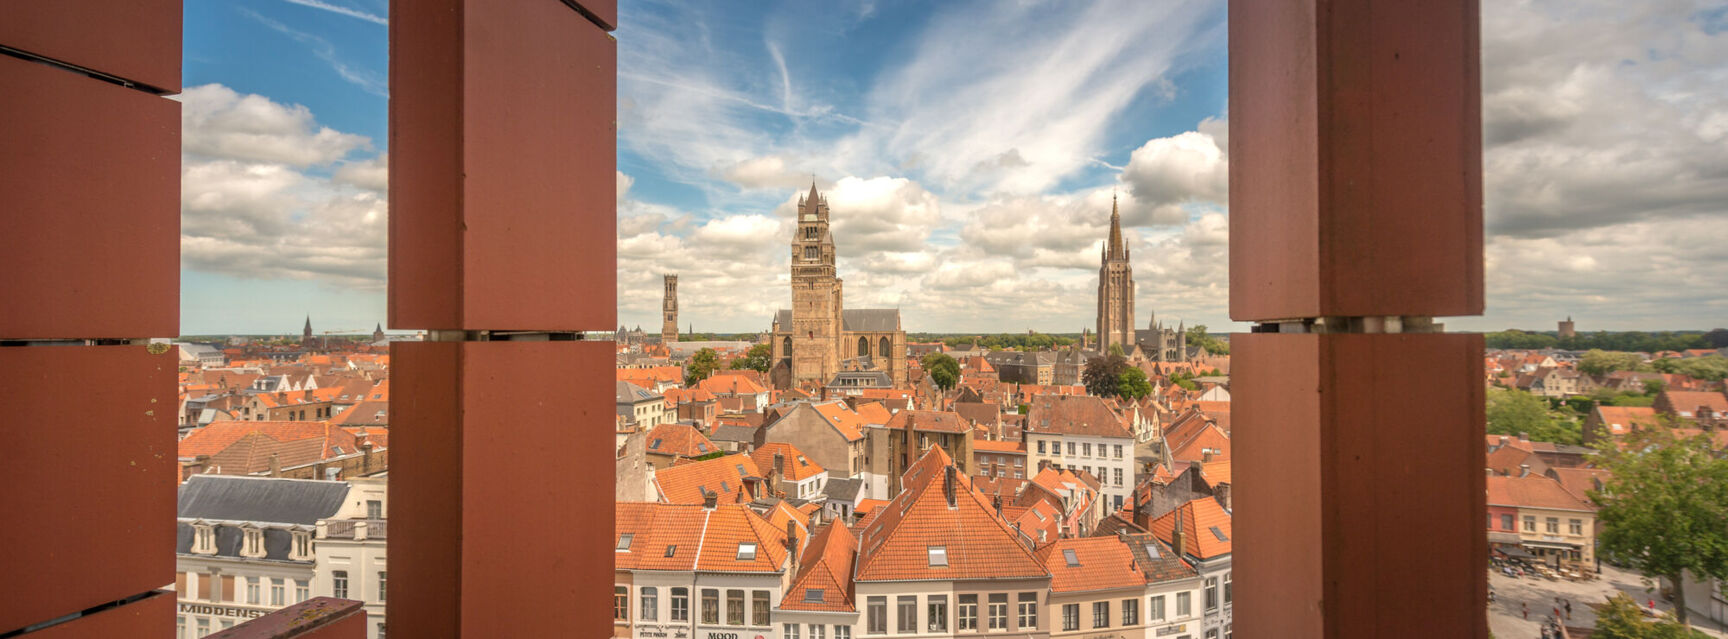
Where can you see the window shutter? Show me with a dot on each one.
(180, 583)
(204, 586)
(228, 587)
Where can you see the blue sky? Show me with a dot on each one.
(970, 151)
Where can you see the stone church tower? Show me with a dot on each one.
(669, 308)
(1115, 290)
(816, 294)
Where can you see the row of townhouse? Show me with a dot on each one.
(937, 561)
(1083, 433)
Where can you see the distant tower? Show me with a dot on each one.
(816, 294)
(1567, 328)
(1181, 342)
(306, 335)
(669, 328)
(378, 333)
(1115, 290)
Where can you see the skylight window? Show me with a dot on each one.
(938, 556)
(701, 447)
(624, 540)
(740, 468)
(671, 550)
(656, 443)
(1219, 534)
(1152, 551)
(725, 487)
(746, 551)
(1069, 556)
(813, 595)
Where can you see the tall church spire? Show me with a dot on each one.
(1116, 251)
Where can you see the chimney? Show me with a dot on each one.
(1505, 440)
(1523, 470)
(275, 465)
(1523, 437)
(1178, 538)
(1206, 455)
(948, 484)
(792, 546)
(1224, 496)
(780, 464)
(998, 503)
(708, 499)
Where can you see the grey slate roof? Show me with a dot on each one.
(260, 499)
(629, 393)
(730, 433)
(863, 320)
(844, 490)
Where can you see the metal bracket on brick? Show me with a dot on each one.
(1366, 325)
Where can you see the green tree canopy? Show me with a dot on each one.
(1103, 375)
(1665, 507)
(700, 366)
(1198, 336)
(1132, 384)
(1512, 411)
(755, 359)
(1601, 362)
(943, 370)
(1711, 367)
(1622, 618)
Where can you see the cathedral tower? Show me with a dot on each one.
(669, 308)
(816, 294)
(1115, 290)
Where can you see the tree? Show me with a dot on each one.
(1664, 509)
(1622, 618)
(1599, 362)
(1654, 387)
(943, 370)
(755, 359)
(1198, 336)
(1511, 412)
(1709, 368)
(701, 365)
(1132, 384)
(1103, 375)
(1116, 350)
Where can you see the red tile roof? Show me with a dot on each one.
(684, 537)
(212, 439)
(825, 569)
(976, 544)
(1075, 415)
(678, 439)
(1199, 518)
(731, 385)
(723, 476)
(844, 419)
(1091, 563)
(929, 421)
(1533, 491)
(798, 466)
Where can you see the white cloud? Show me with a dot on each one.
(251, 209)
(218, 122)
(1166, 173)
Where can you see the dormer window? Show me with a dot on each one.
(203, 538)
(253, 544)
(301, 547)
(746, 552)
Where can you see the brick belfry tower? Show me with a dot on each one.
(669, 308)
(1115, 290)
(816, 294)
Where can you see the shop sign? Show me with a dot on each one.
(222, 611)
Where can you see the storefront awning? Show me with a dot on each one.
(1554, 545)
(1515, 552)
(1505, 538)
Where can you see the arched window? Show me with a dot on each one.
(863, 347)
(786, 347)
(887, 349)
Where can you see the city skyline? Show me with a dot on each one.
(969, 194)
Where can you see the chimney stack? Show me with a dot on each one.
(948, 484)
(998, 503)
(275, 465)
(1178, 538)
(1523, 437)
(792, 546)
(709, 498)
(1523, 470)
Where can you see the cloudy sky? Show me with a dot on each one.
(970, 155)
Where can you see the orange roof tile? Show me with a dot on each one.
(683, 537)
(1075, 415)
(975, 543)
(849, 423)
(1091, 563)
(798, 466)
(824, 579)
(678, 439)
(930, 421)
(1533, 491)
(1205, 526)
(731, 385)
(724, 476)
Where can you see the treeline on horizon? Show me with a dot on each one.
(1630, 341)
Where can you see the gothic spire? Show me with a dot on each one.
(1116, 252)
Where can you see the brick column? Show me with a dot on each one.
(89, 248)
(1355, 191)
(502, 247)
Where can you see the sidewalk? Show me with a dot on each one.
(1506, 621)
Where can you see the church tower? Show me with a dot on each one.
(669, 308)
(816, 294)
(306, 335)
(1115, 290)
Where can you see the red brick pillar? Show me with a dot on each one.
(502, 247)
(89, 252)
(1355, 192)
